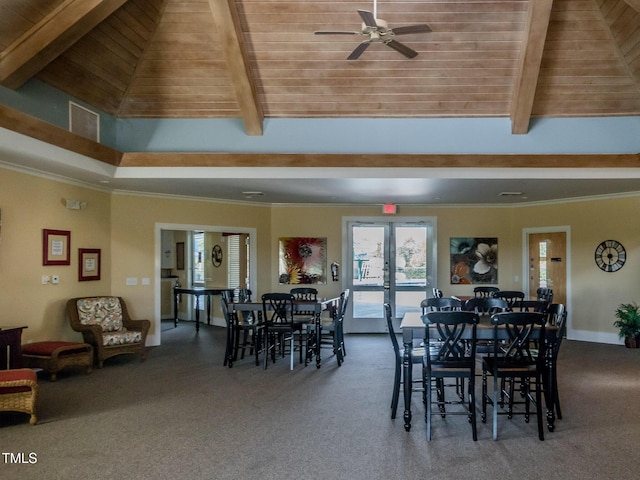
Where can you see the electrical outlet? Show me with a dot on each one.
(55, 279)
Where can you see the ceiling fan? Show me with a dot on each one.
(378, 31)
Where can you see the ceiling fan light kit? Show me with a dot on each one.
(378, 31)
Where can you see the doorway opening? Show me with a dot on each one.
(388, 261)
(186, 254)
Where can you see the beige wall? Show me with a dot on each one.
(124, 228)
(30, 204)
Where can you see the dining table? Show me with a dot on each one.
(413, 328)
(304, 307)
(198, 292)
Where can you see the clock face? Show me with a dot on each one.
(610, 256)
(216, 255)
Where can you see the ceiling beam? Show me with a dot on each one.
(635, 4)
(22, 123)
(50, 37)
(376, 160)
(227, 20)
(524, 90)
(33, 127)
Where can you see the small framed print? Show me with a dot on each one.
(88, 264)
(180, 255)
(56, 247)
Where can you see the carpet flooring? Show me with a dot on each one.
(181, 414)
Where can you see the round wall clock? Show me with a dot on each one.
(216, 255)
(610, 256)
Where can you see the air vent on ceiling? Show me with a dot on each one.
(84, 122)
(510, 194)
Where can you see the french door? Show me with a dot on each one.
(389, 262)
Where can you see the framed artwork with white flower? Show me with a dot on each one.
(302, 260)
(474, 260)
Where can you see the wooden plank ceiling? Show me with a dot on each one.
(253, 59)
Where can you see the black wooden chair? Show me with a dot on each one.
(510, 296)
(279, 326)
(545, 295)
(417, 353)
(332, 333)
(538, 306)
(440, 304)
(519, 360)
(451, 338)
(483, 292)
(240, 325)
(556, 317)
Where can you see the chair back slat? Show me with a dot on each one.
(277, 307)
(520, 328)
(449, 333)
(483, 292)
(510, 296)
(440, 304)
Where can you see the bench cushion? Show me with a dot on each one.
(46, 349)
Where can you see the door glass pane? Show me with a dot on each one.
(368, 256)
(411, 256)
(408, 302)
(542, 281)
(368, 304)
(198, 258)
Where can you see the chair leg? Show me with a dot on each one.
(539, 407)
(427, 387)
(556, 396)
(483, 415)
(495, 407)
(472, 406)
(396, 389)
(293, 338)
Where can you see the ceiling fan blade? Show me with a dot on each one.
(337, 33)
(402, 48)
(368, 18)
(359, 50)
(412, 29)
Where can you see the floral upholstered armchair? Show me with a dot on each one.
(105, 323)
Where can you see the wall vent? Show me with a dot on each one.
(84, 122)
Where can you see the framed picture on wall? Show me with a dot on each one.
(302, 260)
(474, 260)
(88, 264)
(56, 247)
(180, 255)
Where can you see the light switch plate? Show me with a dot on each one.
(132, 281)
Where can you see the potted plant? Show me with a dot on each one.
(628, 324)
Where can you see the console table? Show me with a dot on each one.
(10, 347)
(198, 292)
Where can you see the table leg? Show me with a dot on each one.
(197, 313)
(549, 390)
(208, 309)
(175, 309)
(407, 369)
(228, 360)
(318, 319)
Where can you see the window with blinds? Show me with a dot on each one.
(233, 254)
